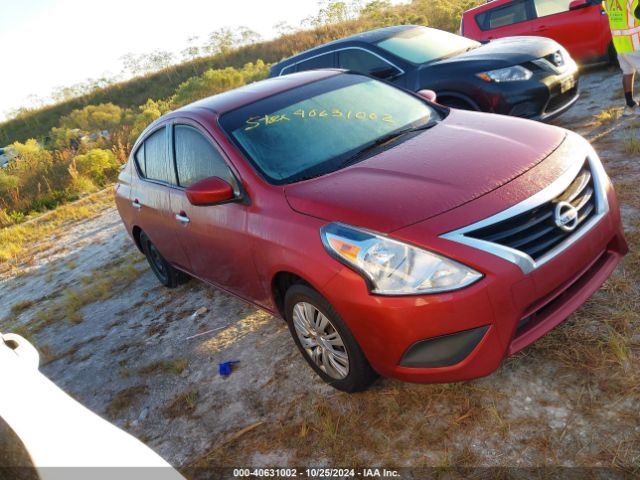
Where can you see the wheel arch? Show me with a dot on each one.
(281, 282)
(458, 96)
(135, 234)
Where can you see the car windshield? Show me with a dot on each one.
(323, 126)
(422, 44)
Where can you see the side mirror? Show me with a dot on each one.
(428, 95)
(578, 4)
(209, 191)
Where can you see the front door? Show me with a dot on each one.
(214, 236)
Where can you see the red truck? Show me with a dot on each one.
(581, 26)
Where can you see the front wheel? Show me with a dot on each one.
(325, 341)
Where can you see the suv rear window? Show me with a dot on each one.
(503, 16)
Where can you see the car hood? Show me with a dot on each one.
(465, 156)
(504, 52)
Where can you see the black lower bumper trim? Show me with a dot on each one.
(443, 351)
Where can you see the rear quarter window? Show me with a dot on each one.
(139, 158)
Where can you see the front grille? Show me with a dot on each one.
(535, 231)
(561, 100)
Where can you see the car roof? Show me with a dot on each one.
(371, 36)
(236, 98)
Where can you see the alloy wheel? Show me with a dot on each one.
(320, 340)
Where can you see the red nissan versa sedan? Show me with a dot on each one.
(393, 235)
(580, 26)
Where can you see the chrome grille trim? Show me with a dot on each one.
(525, 262)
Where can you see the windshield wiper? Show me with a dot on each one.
(382, 141)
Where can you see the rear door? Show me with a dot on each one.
(150, 187)
(579, 31)
(506, 20)
(214, 236)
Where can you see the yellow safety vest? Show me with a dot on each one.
(625, 27)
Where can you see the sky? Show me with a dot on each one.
(46, 44)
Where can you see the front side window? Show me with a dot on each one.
(422, 45)
(504, 16)
(197, 158)
(365, 62)
(322, 126)
(551, 7)
(156, 161)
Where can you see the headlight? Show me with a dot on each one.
(392, 267)
(509, 74)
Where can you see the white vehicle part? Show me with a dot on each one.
(57, 431)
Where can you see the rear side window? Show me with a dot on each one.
(503, 16)
(156, 161)
(321, 61)
(551, 7)
(365, 62)
(197, 158)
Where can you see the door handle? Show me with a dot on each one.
(136, 204)
(182, 217)
(541, 28)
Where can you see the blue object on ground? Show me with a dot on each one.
(225, 368)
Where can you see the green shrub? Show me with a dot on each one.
(213, 81)
(93, 118)
(97, 164)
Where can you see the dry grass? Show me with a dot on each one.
(103, 284)
(18, 308)
(175, 367)
(19, 243)
(609, 115)
(336, 428)
(124, 399)
(183, 405)
(631, 145)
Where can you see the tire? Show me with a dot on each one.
(336, 357)
(167, 275)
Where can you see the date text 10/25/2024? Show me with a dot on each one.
(315, 473)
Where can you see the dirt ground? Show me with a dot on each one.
(142, 357)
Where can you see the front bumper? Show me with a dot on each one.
(514, 309)
(545, 96)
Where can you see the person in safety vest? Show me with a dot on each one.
(624, 20)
